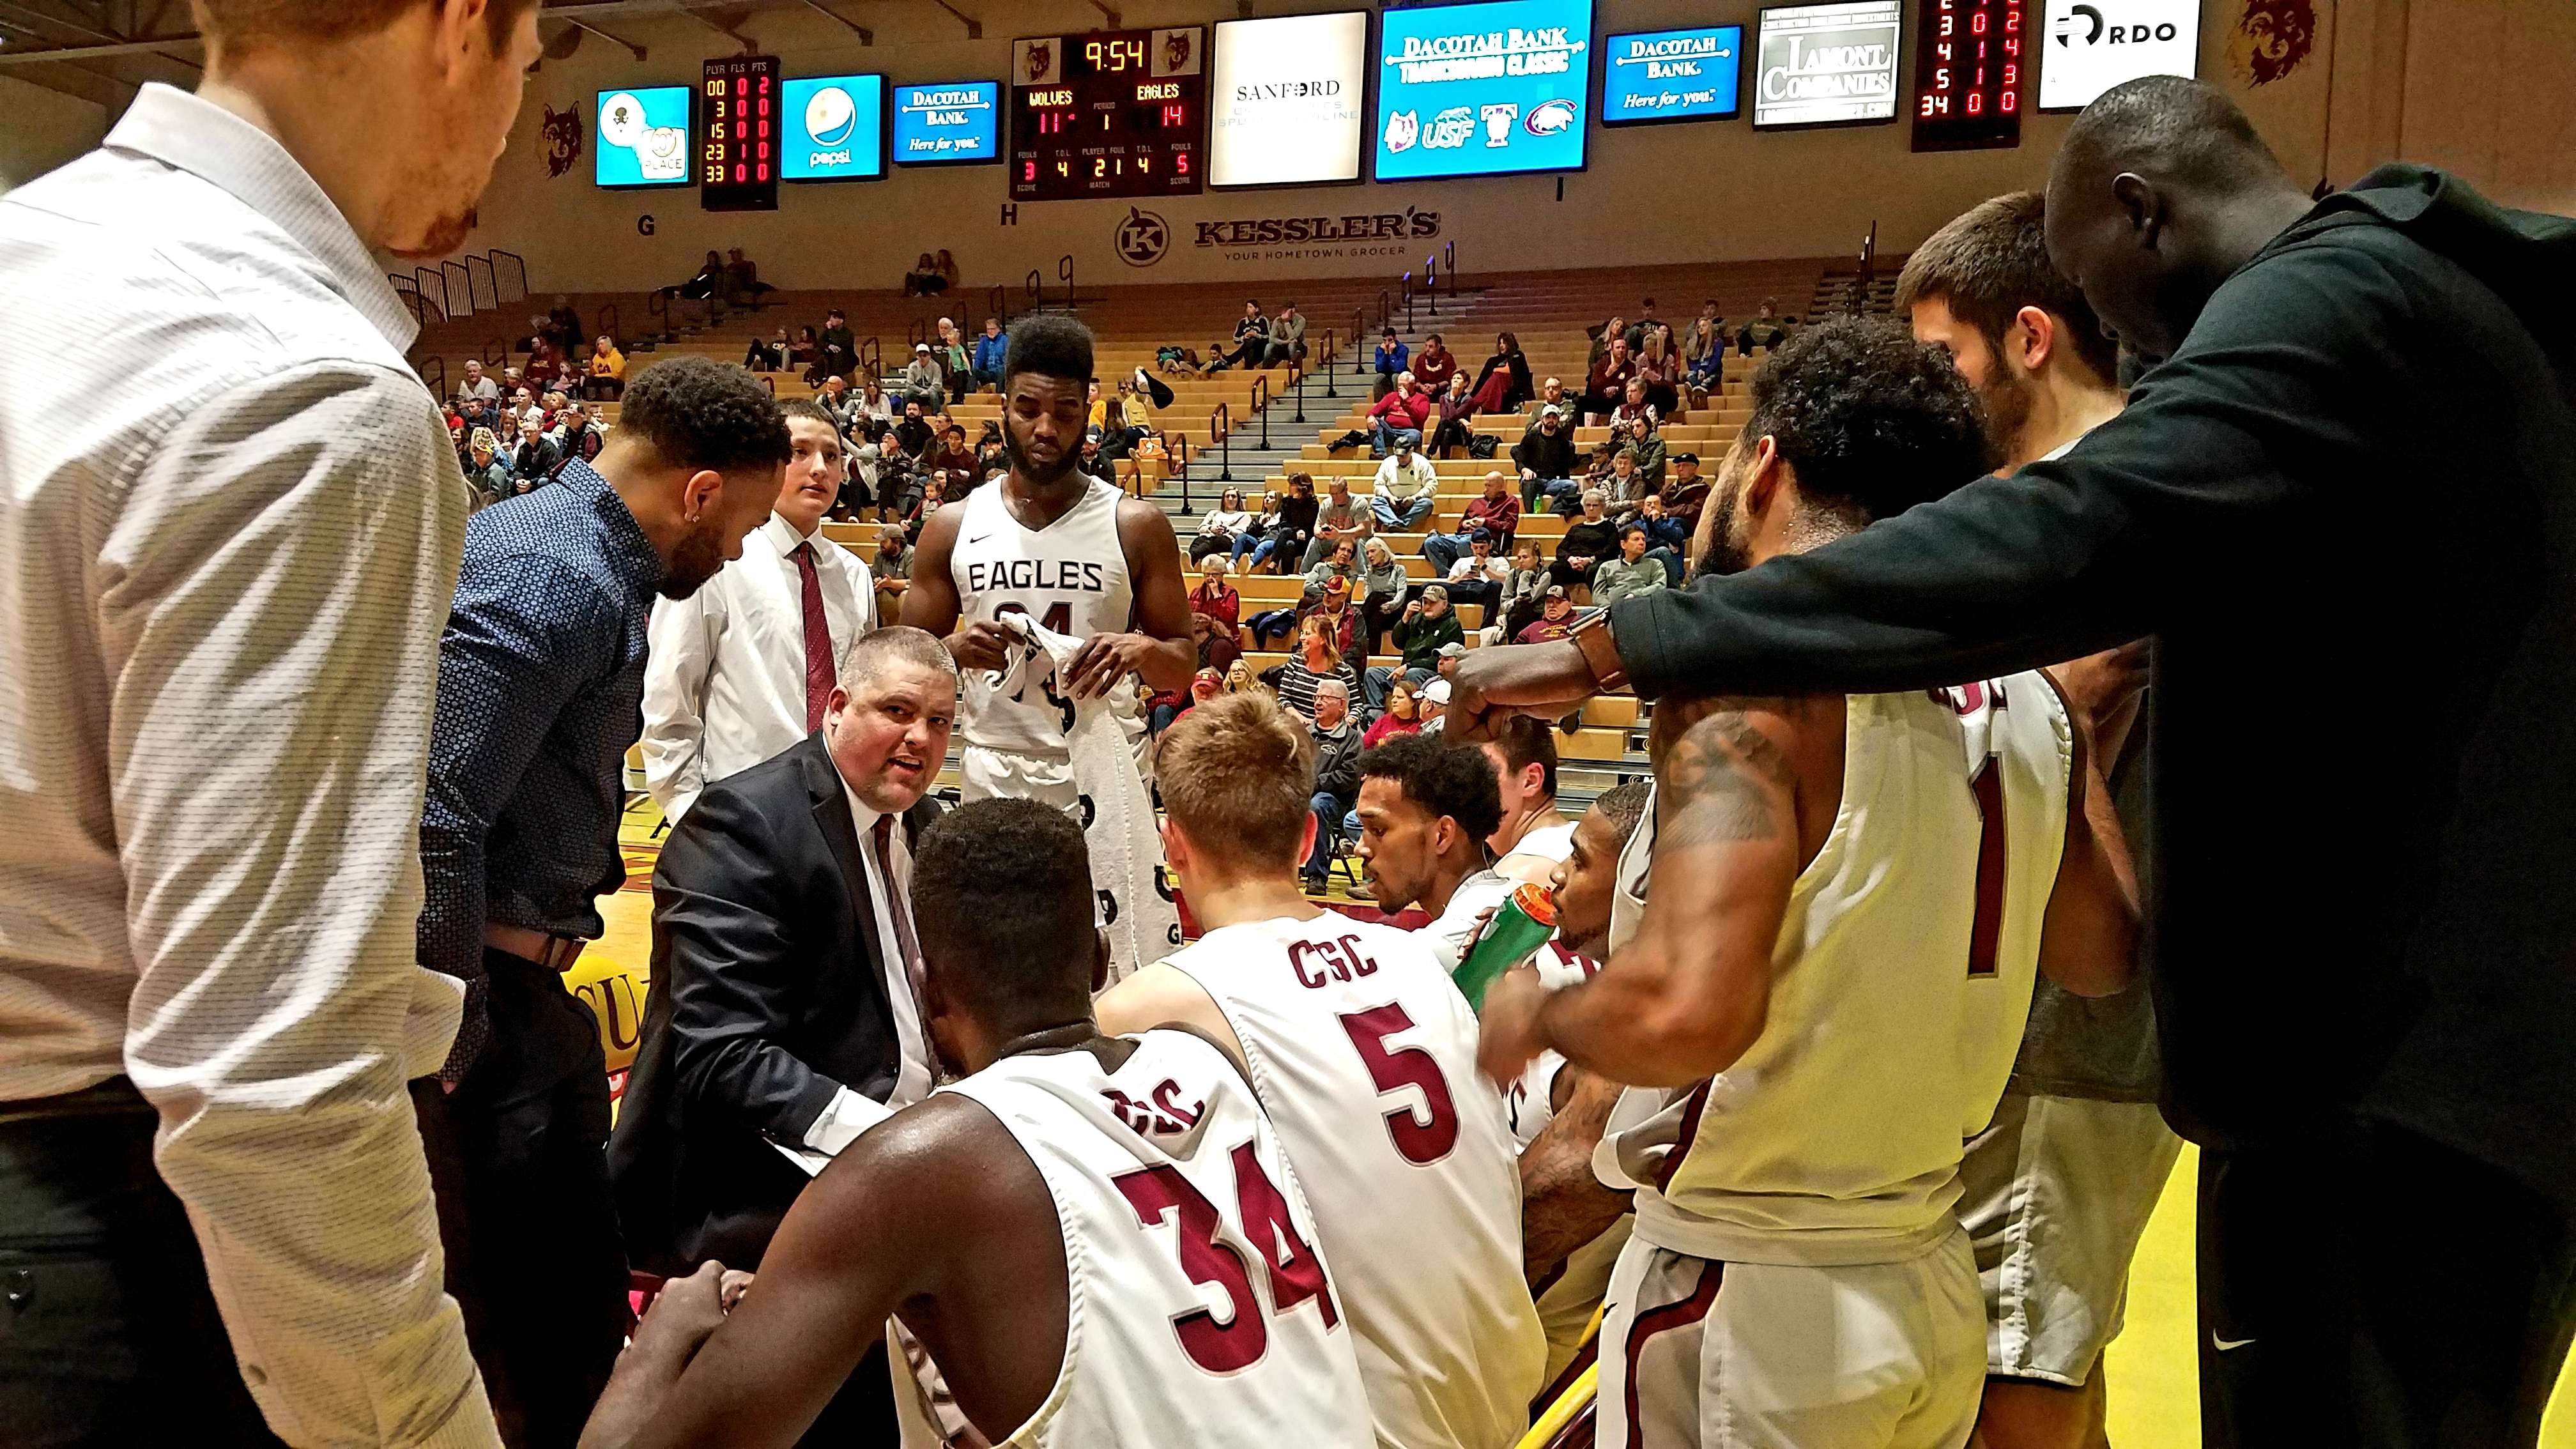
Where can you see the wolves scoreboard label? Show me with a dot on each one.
(1114, 113)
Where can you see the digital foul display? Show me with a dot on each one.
(739, 147)
(835, 127)
(1114, 113)
(947, 121)
(1483, 90)
(1827, 65)
(1671, 75)
(643, 137)
(1968, 75)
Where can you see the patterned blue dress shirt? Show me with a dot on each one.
(540, 693)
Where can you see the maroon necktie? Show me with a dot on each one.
(818, 641)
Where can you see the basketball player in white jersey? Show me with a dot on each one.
(1073, 554)
(1097, 1238)
(1848, 900)
(1364, 1054)
(2057, 1192)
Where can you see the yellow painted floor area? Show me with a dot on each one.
(2154, 1377)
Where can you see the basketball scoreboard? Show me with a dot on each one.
(738, 156)
(1968, 72)
(1115, 114)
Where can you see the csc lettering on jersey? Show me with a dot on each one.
(1078, 575)
(1341, 960)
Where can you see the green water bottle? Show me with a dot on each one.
(1522, 924)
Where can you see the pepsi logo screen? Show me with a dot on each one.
(835, 128)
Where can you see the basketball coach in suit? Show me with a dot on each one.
(781, 1011)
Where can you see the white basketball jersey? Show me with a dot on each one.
(1201, 1311)
(1070, 576)
(1899, 988)
(1364, 1055)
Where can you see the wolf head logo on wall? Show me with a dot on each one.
(563, 134)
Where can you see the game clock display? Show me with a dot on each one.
(1969, 70)
(1116, 113)
(738, 144)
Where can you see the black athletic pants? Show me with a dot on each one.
(109, 1338)
(518, 1154)
(2377, 1291)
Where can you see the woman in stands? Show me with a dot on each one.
(607, 370)
(1705, 356)
(1224, 525)
(1608, 382)
(1456, 411)
(1216, 613)
(1382, 588)
(924, 279)
(946, 266)
(1403, 715)
(1504, 383)
(1660, 370)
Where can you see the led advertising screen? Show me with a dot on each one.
(1671, 75)
(1286, 105)
(947, 121)
(643, 137)
(2093, 45)
(1827, 65)
(1482, 90)
(835, 128)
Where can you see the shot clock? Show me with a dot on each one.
(739, 139)
(1970, 75)
(1114, 114)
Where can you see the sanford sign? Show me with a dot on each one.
(1389, 226)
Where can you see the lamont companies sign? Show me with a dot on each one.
(1288, 238)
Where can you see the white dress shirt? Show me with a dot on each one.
(229, 529)
(850, 1113)
(724, 682)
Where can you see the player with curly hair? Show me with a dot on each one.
(1822, 952)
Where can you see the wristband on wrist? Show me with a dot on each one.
(1601, 653)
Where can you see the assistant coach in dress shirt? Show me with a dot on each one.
(2352, 485)
(741, 669)
(539, 679)
(782, 1008)
(229, 521)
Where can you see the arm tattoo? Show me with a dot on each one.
(1711, 793)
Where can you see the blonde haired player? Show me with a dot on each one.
(1364, 1055)
(1847, 902)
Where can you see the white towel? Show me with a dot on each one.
(1132, 894)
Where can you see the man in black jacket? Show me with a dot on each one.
(1545, 455)
(2366, 948)
(1337, 774)
(781, 1021)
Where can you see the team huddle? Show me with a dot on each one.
(1283, 1186)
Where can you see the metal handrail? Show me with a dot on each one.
(1064, 274)
(1035, 286)
(1449, 264)
(1177, 448)
(1260, 404)
(1359, 329)
(519, 265)
(438, 387)
(608, 320)
(1385, 309)
(496, 352)
(657, 306)
(871, 357)
(1297, 380)
(1408, 301)
(997, 301)
(1431, 281)
(490, 287)
(1326, 363)
(455, 282)
(1224, 413)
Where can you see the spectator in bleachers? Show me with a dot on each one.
(839, 354)
(1639, 429)
(1332, 576)
(1391, 359)
(1667, 540)
(1402, 715)
(1382, 587)
(1704, 359)
(913, 432)
(1127, 421)
(1220, 356)
(1251, 336)
(870, 404)
(1337, 775)
(947, 266)
(1589, 540)
(838, 403)
(1400, 415)
(1239, 679)
(546, 360)
(1092, 462)
(956, 361)
(1401, 496)
(563, 324)
(1287, 337)
(805, 356)
(1318, 657)
(1434, 365)
(1545, 456)
(767, 354)
(1767, 329)
(990, 349)
(523, 400)
(1684, 492)
(485, 469)
(1478, 575)
(1455, 412)
(1223, 526)
(476, 385)
(925, 278)
(1645, 323)
(576, 434)
(1216, 614)
(1602, 336)
(1205, 685)
(1427, 626)
(1620, 484)
(1503, 384)
(606, 367)
(1342, 519)
(1631, 573)
(953, 456)
(923, 382)
(535, 455)
(742, 279)
(1495, 512)
(1294, 529)
(1552, 394)
(1555, 618)
(1523, 590)
(707, 284)
(1607, 386)
(1660, 369)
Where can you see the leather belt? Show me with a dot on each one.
(530, 944)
